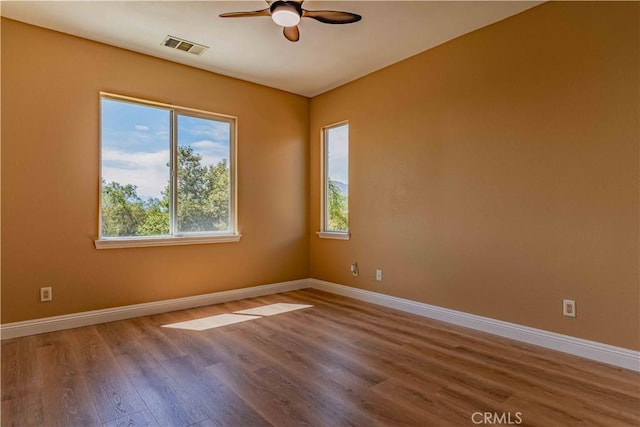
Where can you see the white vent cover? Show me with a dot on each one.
(184, 45)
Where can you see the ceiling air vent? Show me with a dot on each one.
(184, 45)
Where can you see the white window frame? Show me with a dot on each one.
(324, 233)
(185, 238)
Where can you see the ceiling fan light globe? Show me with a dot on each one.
(285, 15)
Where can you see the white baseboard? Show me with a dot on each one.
(75, 320)
(605, 353)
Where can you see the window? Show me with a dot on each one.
(167, 175)
(335, 183)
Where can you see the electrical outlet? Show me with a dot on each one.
(354, 269)
(46, 294)
(379, 275)
(569, 308)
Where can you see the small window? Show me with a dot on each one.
(335, 185)
(167, 174)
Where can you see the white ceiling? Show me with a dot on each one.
(254, 49)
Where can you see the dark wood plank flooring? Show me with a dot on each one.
(341, 363)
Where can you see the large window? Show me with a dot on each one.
(335, 186)
(167, 174)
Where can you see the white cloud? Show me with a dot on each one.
(148, 171)
(212, 129)
(142, 127)
(210, 145)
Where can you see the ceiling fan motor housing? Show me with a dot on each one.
(286, 13)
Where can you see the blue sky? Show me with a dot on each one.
(338, 149)
(136, 143)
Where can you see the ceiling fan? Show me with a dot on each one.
(288, 14)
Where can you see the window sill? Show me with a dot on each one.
(333, 235)
(116, 243)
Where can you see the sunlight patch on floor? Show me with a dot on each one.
(211, 322)
(271, 309)
(237, 317)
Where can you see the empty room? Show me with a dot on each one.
(321, 213)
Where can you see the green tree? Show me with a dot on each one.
(203, 193)
(156, 220)
(203, 201)
(122, 210)
(220, 196)
(338, 210)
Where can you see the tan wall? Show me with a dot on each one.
(50, 134)
(498, 173)
(495, 174)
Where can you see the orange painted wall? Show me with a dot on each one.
(495, 174)
(498, 173)
(50, 143)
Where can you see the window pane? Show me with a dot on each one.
(135, 169)
(337, 178)
(203, 175)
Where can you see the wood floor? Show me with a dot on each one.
(342, 362)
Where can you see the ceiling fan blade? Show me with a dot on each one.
(291, 33)
(263, 12)
(331, 16)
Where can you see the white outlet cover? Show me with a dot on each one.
(354, 269)
(569, 308)
(46, 294)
